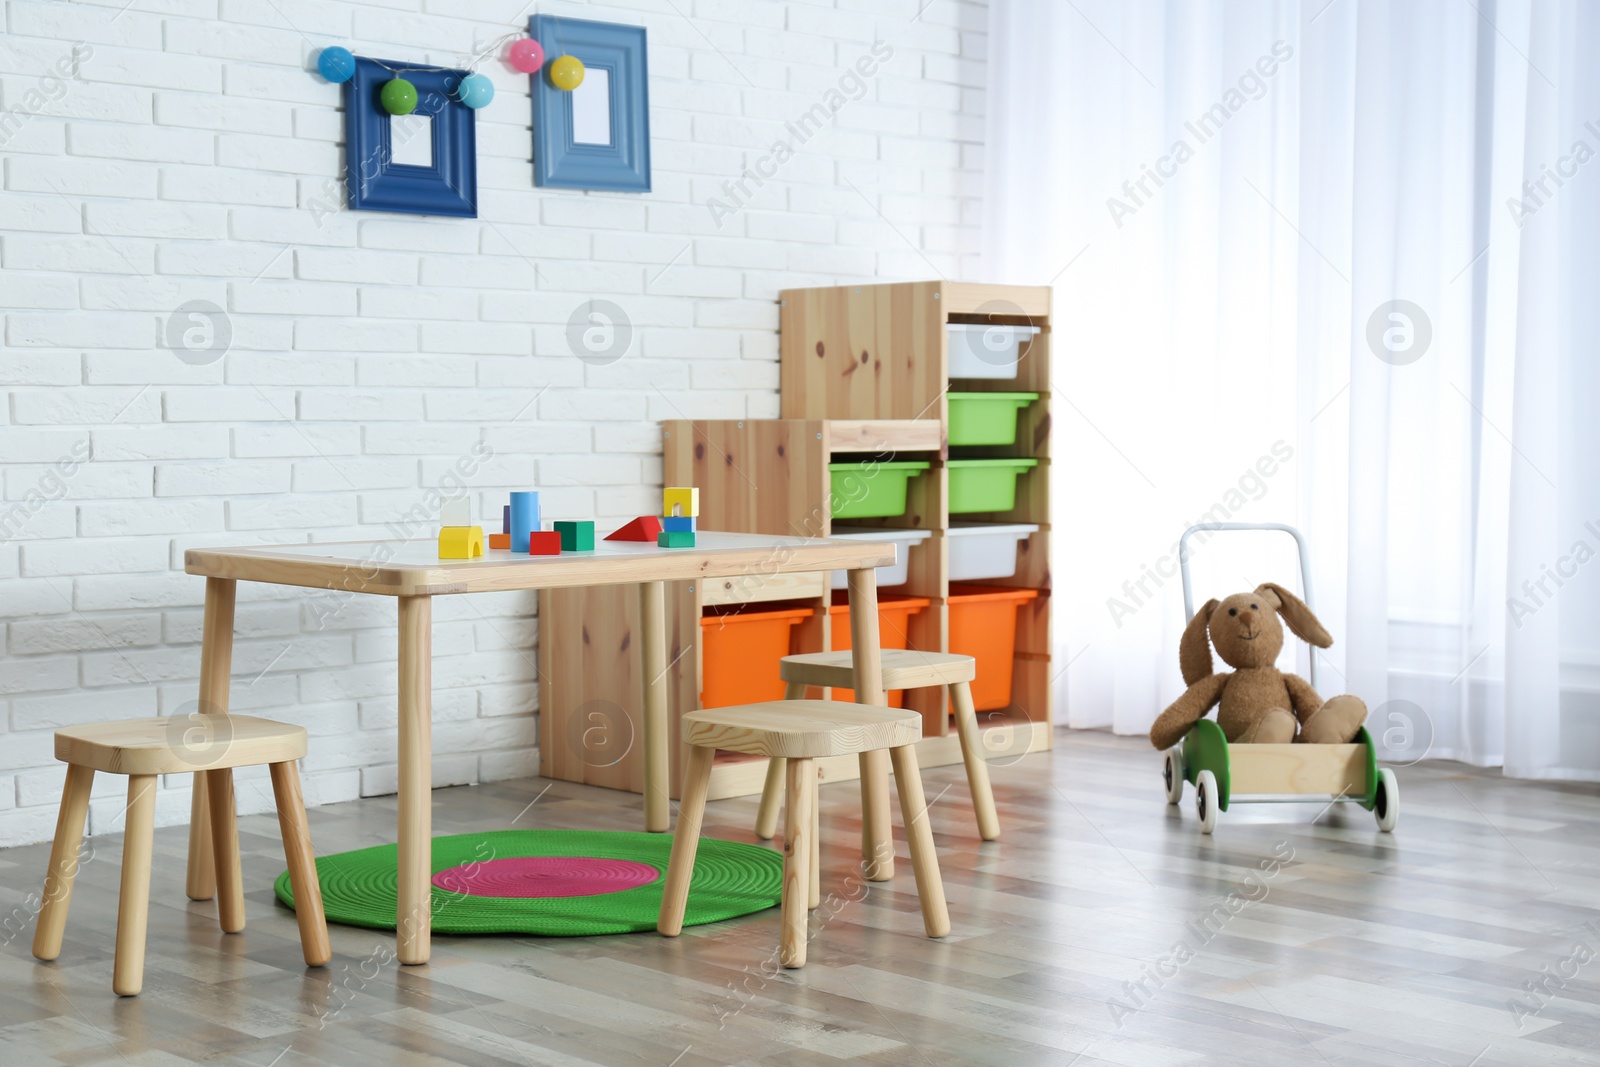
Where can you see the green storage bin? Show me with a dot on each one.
(985, 484)
(986, 418)
(872, 490)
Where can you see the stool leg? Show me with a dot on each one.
(302, 864)
(772, 790)
(972, 755)
(225, 849)
(133, 909)
(771, 799)
(796, 862)
(63, 863)
(685, 841)
(201, 883)
(815, 864)
(877, 841)
(919, 834)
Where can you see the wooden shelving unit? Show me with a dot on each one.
(864, 373)
(882, 352)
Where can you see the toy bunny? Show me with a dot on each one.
(1259, 703)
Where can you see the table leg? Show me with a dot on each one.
(216, 668)
(415, 912)
(877, 845)
(653, 653)
(814, 866)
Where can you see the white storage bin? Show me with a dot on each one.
(982, 550)
(982, 350)
(903, 540)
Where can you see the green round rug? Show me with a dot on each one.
(556, 883)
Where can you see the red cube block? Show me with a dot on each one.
(544, 543)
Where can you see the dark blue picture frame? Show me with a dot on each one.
(559, 162)
(375, 181)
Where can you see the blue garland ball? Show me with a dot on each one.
(336, 64)
(476, 90)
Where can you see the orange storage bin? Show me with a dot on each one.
(983, 625)
(739, 653)
(894, 619)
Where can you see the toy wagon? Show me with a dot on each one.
(1262, 773)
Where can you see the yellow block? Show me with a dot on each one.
(460, 542)
(680, 500)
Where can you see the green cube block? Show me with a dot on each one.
(675, 539)
(575, 536)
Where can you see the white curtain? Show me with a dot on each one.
(1332, 264)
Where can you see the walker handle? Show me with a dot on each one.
(1269, 527)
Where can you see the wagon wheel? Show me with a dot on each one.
(1386, 801)
(1172, 774)
(1205, 800)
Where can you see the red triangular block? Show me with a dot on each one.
(644, 528)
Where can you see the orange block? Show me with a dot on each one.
(501, 540)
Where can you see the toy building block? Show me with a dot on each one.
(460, 542)
(500, 540)
(680, 500)
(678, 523)
(505, 519)
(456, 512)
(544, 543)
(675, 539)
(575, 536)
(524, 518)
(644, 528)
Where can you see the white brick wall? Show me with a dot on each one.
(192, 157)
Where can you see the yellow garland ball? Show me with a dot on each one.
(566, 73)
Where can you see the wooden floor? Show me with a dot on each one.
(1102, 928)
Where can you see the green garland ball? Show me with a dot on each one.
(399, 97)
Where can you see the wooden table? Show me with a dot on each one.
(413, 572)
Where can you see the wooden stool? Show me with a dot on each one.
(143, 749)
(800, 731)
(902, 669)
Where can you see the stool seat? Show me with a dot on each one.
(804, 729)
(176, 745)
(902, 669)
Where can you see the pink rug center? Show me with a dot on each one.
(545, 876)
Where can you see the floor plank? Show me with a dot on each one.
(1101, 928)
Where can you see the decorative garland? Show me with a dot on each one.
(399, 97)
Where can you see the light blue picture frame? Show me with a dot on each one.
(558, 161)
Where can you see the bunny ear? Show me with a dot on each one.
(1298, 617)
(1194, 650)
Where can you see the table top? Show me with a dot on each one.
(413, 568)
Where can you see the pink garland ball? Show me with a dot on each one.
(527, 55)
